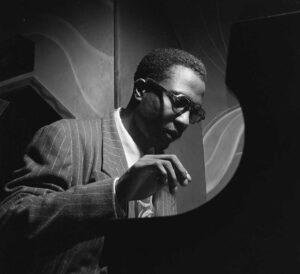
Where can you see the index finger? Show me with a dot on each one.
(180, 170)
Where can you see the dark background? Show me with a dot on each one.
(252, 226)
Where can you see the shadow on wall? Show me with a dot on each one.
(63, 51)
(73, 51)
(223, 140)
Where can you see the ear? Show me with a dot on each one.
(139, 88)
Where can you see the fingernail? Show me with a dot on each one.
(185, 182)
(188, 176)
(175, 189)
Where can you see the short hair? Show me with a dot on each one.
(157, 64)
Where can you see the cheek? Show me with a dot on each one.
(150, 106)
(167, 106)
(156, 114)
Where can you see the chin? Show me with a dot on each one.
(164, 146)
(160, 148)
(162, 143)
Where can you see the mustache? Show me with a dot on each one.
(177, 129)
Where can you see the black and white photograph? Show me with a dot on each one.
(149, 137)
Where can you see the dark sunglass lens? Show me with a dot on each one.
(181, 102)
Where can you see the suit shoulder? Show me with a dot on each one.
(73, 125)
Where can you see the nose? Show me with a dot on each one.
(184, 119)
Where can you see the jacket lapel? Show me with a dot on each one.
(115, 165)
(114, 161)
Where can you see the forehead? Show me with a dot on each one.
(185, 81)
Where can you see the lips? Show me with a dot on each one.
(172, 135)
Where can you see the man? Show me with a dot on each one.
(78, 174)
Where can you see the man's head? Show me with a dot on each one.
(156, 64)
(167, 96)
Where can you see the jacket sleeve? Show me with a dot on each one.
(43, 198)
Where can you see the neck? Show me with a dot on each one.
(130, 123)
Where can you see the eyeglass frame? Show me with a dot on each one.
(173, 95)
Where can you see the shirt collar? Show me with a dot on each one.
(131, 150)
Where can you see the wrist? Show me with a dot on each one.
(120, 202)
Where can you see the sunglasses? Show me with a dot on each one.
(180, 102)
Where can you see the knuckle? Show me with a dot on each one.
(174, 156)
(158, 164)
(160, 168)
(168, 164)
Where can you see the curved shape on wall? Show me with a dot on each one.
(91, 68)
(221, 140)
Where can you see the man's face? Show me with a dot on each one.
(160, 124)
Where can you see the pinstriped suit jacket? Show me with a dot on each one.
(59, 203)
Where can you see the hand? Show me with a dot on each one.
(149, 174)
